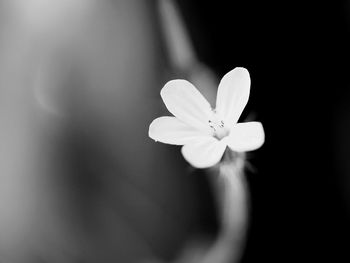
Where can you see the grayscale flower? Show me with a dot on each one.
(203, 131)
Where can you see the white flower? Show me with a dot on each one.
(204, 132)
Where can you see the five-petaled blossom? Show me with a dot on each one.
(205, 132)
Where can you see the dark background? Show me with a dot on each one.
(297, 53)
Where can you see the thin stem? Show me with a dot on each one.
(233, 202)
(233, 199)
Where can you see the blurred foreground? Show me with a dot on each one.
(79, 179)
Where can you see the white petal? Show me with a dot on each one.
(233, 94)
(172, 131)
(187, 104)
(246, 136)
(204, 152)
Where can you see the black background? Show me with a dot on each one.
(297, 53)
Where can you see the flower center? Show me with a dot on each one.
(218, 127)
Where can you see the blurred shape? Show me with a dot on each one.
(48, 87)
(180, 50)
(231, 189)
(182, 56)
(232, 193)
(52, 16)
(90, 186)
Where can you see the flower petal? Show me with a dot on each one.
(172, 131)
(187, 104)
(204, 152)
(246, 136)
(233, 94)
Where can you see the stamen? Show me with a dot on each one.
(218, 126)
